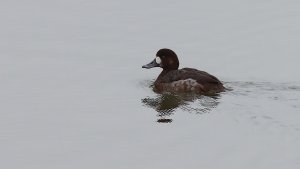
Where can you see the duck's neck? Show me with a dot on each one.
(161, 75)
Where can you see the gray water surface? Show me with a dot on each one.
(73, 93)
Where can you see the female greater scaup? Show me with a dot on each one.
(172, 79)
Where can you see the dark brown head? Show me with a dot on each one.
(166, 59)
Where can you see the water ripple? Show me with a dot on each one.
(246, 97)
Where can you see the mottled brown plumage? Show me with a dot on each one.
(183, 80)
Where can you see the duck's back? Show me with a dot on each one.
(189, 79)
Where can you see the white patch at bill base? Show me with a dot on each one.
(158, 60)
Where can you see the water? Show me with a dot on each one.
(74, 95)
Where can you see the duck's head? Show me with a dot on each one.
(166, 59)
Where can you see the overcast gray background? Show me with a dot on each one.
(71, 84)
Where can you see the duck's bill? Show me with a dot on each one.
(151, 65)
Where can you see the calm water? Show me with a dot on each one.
(74, 95)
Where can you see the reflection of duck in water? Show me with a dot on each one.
(172, 79)
(166, 103)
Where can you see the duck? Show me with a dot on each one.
(172, 79)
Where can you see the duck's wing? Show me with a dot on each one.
(201, 77)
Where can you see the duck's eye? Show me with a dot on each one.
(158, 60)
